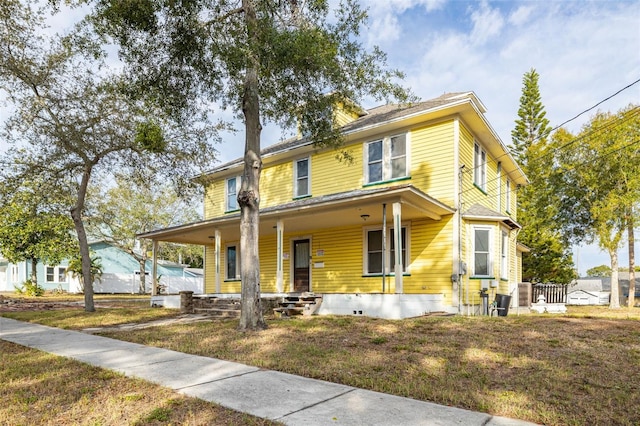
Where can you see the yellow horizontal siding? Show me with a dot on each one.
(268, 263)
(432, 167)
(276, 184)
(330, 175)
(342, 271)
(431, 257)
(209, 270)
(214, 199)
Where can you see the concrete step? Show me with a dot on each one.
(219, 312)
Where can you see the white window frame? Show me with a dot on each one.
(230, 207)
(479, 166)
(388, 269)
(55, 274)
(387, 158)
(508, 196)
(297, 178)
(504, 254)
(489, 251)
(236, 246)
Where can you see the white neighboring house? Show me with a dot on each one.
(587, 291)
(120, 274)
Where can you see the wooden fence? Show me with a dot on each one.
(553, 293)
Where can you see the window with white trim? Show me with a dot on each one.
(507, 191)
(232, 257)
(374, 253)
(386, 159)
(231, 189)
(504, 255)
(55, 274)
(480, 166)
(481, 251)
(302, 182)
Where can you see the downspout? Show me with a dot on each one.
(460, 240)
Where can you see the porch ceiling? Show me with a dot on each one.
(360, 207)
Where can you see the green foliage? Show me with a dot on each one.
(149, 136)
(30, 288)
(32, 226)
(599, 271)
(75, 269)
(550, 258)
(601, 176)
(532, 126)
(73, 119)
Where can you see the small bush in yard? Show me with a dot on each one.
(30, 288)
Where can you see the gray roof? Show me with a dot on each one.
(478, 211)
(604, 283)
(372, 117)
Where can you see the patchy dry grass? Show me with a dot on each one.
(42, 389)
(574, 369)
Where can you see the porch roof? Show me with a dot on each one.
(480, 212)
(362, 206)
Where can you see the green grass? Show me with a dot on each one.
(574, 369)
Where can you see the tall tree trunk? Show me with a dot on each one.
(143, 279)
(251, 317)
(632, 261)
(34, 270)
(76, 215)
(614, 303)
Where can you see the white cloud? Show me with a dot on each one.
(487, 23)
(383, 17)
(520, 15)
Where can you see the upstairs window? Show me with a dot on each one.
(386, 159)
(480, 167)
(508, 195)
(232, 189)
(301, 178)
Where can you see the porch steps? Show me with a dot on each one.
(305, 304)
(216, 306)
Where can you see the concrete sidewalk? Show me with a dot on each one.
(290, 399)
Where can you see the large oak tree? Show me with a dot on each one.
(73, 120)
(287, 62)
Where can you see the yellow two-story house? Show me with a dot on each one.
(419, 221)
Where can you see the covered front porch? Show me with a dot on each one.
(298, 245)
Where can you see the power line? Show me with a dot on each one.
(635, 111)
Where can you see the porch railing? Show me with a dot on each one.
(553, 293)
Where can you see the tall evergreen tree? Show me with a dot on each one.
(550, 258)
(531, 125)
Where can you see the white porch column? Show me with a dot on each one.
(216, 254)
(154, 269)
(397, 226)
(279, 252)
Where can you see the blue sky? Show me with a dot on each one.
(584, 51)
